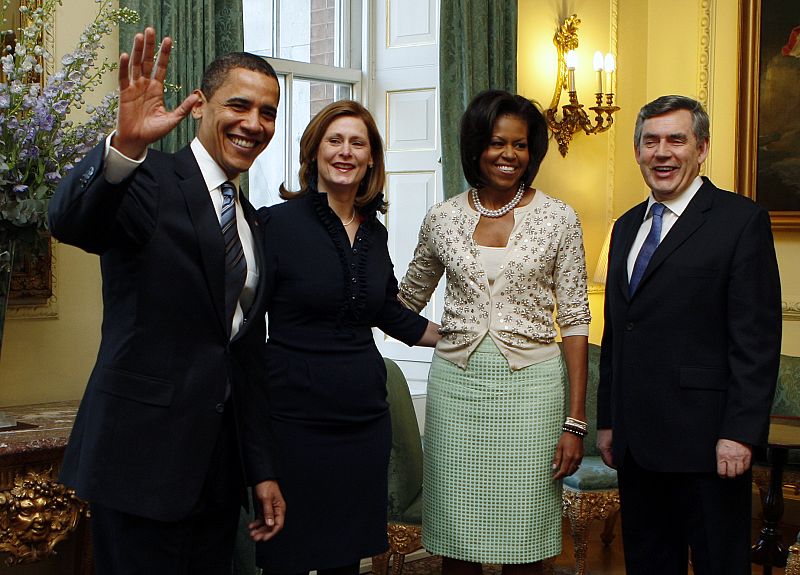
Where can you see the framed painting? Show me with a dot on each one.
(768, 146)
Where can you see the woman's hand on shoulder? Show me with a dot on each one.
(568, 456)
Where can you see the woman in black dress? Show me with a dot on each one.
(330, 280)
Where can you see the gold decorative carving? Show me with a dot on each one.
(403, 539)
(793, 560)
(35, 515)
(581, 508)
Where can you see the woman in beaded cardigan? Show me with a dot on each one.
(496, 441)
(329, 280)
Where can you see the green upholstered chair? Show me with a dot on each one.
(590, 493)
(405, 477)
(787, 403)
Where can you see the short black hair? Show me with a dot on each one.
(664, 105)
(477, 125)
(218, 70)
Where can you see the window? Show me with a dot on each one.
(315, 47)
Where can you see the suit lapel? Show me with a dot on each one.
(206, 226)
(627, 231)
(688, 223)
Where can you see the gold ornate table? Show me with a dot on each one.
(36, 512)
(769, 550)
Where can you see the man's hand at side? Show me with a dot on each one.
(270, 511)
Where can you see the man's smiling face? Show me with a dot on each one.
(238, 121)
(669, 154)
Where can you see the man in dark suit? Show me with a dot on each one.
(689, 355)
(154, 448)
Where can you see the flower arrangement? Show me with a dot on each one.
(39, 140)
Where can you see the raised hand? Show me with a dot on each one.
(142, 117)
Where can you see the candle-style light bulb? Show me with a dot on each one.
(571, 60)
(610, 65)
(597, 64)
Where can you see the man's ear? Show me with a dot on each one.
(197, 108)
(702, 148)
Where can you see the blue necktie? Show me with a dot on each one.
(235, 264)
(648, 248)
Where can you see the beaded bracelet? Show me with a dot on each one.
(569, 428)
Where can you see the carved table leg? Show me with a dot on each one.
(380, 564)
(607, 536)
(769, 551)
(578, 526)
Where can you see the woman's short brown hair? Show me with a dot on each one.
(375, 178)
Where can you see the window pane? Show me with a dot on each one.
(310, 31)
(269, 171)
(258, 26)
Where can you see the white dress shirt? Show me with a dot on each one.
(675, 208)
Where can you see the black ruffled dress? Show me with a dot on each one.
(327, 382)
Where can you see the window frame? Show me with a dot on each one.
(352, 45)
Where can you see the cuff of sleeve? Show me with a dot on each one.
(421, 327)
(570, 330)
(118, 166)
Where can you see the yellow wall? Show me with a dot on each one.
(659, 51)
(50, 359)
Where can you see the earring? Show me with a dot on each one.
(370, 165)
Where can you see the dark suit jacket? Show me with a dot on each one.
(693, 356)
(152, 409)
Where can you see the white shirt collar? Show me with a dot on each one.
(677, 205)
(213, 175)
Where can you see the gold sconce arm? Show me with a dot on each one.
(574, 117)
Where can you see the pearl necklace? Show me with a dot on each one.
(499, 211)
(350, 221)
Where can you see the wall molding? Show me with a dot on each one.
(612, 131)
(705, 58)
(790, 310)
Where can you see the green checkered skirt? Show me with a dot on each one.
(490, 436)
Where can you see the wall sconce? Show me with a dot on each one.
(574, 117)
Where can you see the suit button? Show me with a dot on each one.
(220, 407)
(629, 326)
(86, 176)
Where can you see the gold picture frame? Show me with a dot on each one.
(765, 138)
(33, 279)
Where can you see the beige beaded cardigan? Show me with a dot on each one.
(544, 268)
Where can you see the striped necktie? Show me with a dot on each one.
(648, 248)
(235, 264)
